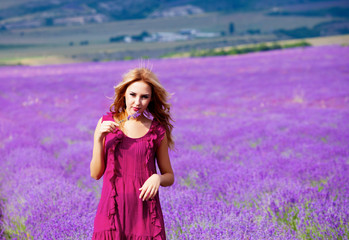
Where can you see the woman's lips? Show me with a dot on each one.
(136, 109)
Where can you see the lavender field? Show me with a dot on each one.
(262, 146)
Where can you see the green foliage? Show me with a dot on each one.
(128, 58)
(16, 229)
(197, 147)
(117, 38)
(190, 180)
(301, 32)
(253, 31)
(319, 184)
(49, 21)
(324, 139)
(16, 46)
(140, 36)
(255, 143)
(85, 42)
(231, 28)
(241, 50)
(333, 11)
(276, 45)
(296, 44)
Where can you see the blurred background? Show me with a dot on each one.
(64, 31)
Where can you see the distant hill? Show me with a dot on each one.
(38, 13)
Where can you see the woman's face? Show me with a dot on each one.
(137, 97)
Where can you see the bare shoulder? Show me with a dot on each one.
(99, 124)
(99, 121)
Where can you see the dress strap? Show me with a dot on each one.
(161, 130)
(107, 117)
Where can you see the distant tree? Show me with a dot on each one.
(49, 21)
(84, 42)
(117, 38)
(253, 31)
(301, 32)
(141, 36)
(137, 38)
(231, 28)
(222, 33)
(71, 44)
(343, 30)
(145, 34)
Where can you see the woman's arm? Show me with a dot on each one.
(151, 185)
(97, 165)
(167, 176)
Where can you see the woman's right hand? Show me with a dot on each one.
(107, 127)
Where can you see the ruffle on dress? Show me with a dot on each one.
(150, 142)
(155, 220)
(116, 139)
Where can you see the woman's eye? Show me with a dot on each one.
(133, 94)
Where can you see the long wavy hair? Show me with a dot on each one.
(158, 106)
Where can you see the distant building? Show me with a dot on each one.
(169, 37)
(207, 34)
(181, 35)
(189, 32)
(22, 24)
(127, 39)
(177, 11)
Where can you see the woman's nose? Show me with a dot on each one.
(137, 101)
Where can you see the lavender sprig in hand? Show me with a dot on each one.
(135, 115)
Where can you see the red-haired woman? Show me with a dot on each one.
(127, 141)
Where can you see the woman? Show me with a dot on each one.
(127, 141)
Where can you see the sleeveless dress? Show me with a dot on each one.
(121, 214)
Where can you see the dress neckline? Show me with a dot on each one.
(151, 126)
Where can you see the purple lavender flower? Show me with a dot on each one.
(272, 165)
(135, 115)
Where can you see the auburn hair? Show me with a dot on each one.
(158, 106)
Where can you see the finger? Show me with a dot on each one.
(152, 194)
(142, 193)
(115, 128)
(156, 192)
(146, 194)
(103, 130)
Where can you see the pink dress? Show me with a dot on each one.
(121, 214)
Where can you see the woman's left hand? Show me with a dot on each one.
(150, 187)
